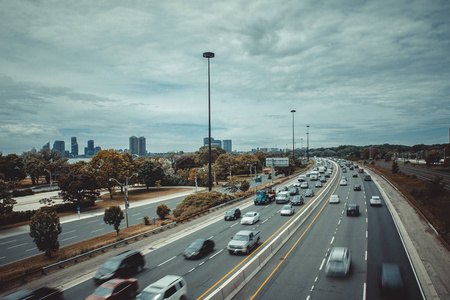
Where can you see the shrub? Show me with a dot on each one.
(24, 192)
(162, 211)
(147, 220)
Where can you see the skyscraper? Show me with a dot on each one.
(90, 149)
(59, 146)
(227, 146)
(138, 146)
(74, 147)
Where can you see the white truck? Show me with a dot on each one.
(243, 241)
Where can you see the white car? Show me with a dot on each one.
(304, 185)
(375, 201)
(250, 218)
(287, 210)
(334, 199)
(170, 287)
(297, 184)
(343, 182)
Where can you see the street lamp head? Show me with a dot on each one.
(293, 111)
(208, 54)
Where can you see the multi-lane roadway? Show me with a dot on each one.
(296, 271)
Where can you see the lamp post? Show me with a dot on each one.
(126, 192)
(307, 142)
(209, 55)
(293, 111)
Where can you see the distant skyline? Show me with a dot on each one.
(357, 72)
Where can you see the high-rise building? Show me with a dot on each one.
(213, 142)
(90, 149)
(74, 147)
(59, 146)
(227, 146)
(138, 146)
(46, 146)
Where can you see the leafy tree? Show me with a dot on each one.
(185, 162)
(34, 166)
(202, 155)
(6, 202)
(245, 185)
(44, 229)
(232, 186)
(12, 167)
(78, 185)
(162, 211)
(113, 216)
(224, 162)
(150, 173)
(388, 156)
(110, 163)
(432, 157)
(395, 167)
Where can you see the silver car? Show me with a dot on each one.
(338, 263)
(287, 210)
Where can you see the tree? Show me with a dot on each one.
(12, 167)
(232, 186)
(162, 211)
(150, 172)
(432, 157)
(110, 163)
(6, 202)
(113, 216)
(245, 185)
(78, 185)
(35, 167)
(44, 229)
(395, 167)
(185, 162)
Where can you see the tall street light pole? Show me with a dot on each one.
(307, 142)
(209, 55)
(293, 156)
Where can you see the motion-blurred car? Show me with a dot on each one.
(250, 218)
(287, 210)
(323, 179)
(199, 248)
(339, 261)
(282, 197)
(356, 187)
(116, 289)
(122, 265)
(355, 175)
(283, 189)
(297, 200)
(297, 184)
(352, 209)
(343, 182)
(46, 293)
(391, 281)
(170, 287)
(375, 201)
(334, 199)
(309, 193)
(304, 185)
(318, 184)
(367, 177)
(233, 214)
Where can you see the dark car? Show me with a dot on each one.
(391, 281)
(309, 193)
(355, 175)
(352, 210)
(122, 265)
(116, 289)
(293, 191)
(199, 248)
(233, 214)
(297, 200)
(356, 187)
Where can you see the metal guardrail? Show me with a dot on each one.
(102, 249)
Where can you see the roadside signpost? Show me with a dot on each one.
(273, 162)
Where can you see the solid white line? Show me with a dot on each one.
(30, 249)
(93, 221)
(11, 241)
(166, 261)
(68, 238)
(16, 246)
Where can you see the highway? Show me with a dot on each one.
(296, 271)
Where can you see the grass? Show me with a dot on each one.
(435, 209)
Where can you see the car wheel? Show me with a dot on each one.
(139, 268)
(183, 297)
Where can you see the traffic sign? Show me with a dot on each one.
(277, 161)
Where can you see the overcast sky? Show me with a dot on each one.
(356, 72)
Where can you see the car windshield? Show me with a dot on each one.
(196, 244)
(240, 238)
(249, 214)
(230, 213)
(149, 296)
(102, 291)
(286, 207)
(112, 264)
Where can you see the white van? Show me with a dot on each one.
(170, 287)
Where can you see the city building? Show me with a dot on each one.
(213, 142)
(46, 146)
(74, 147)
(138, 146)
(90, 149)
(227, 146)
(59, 146)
